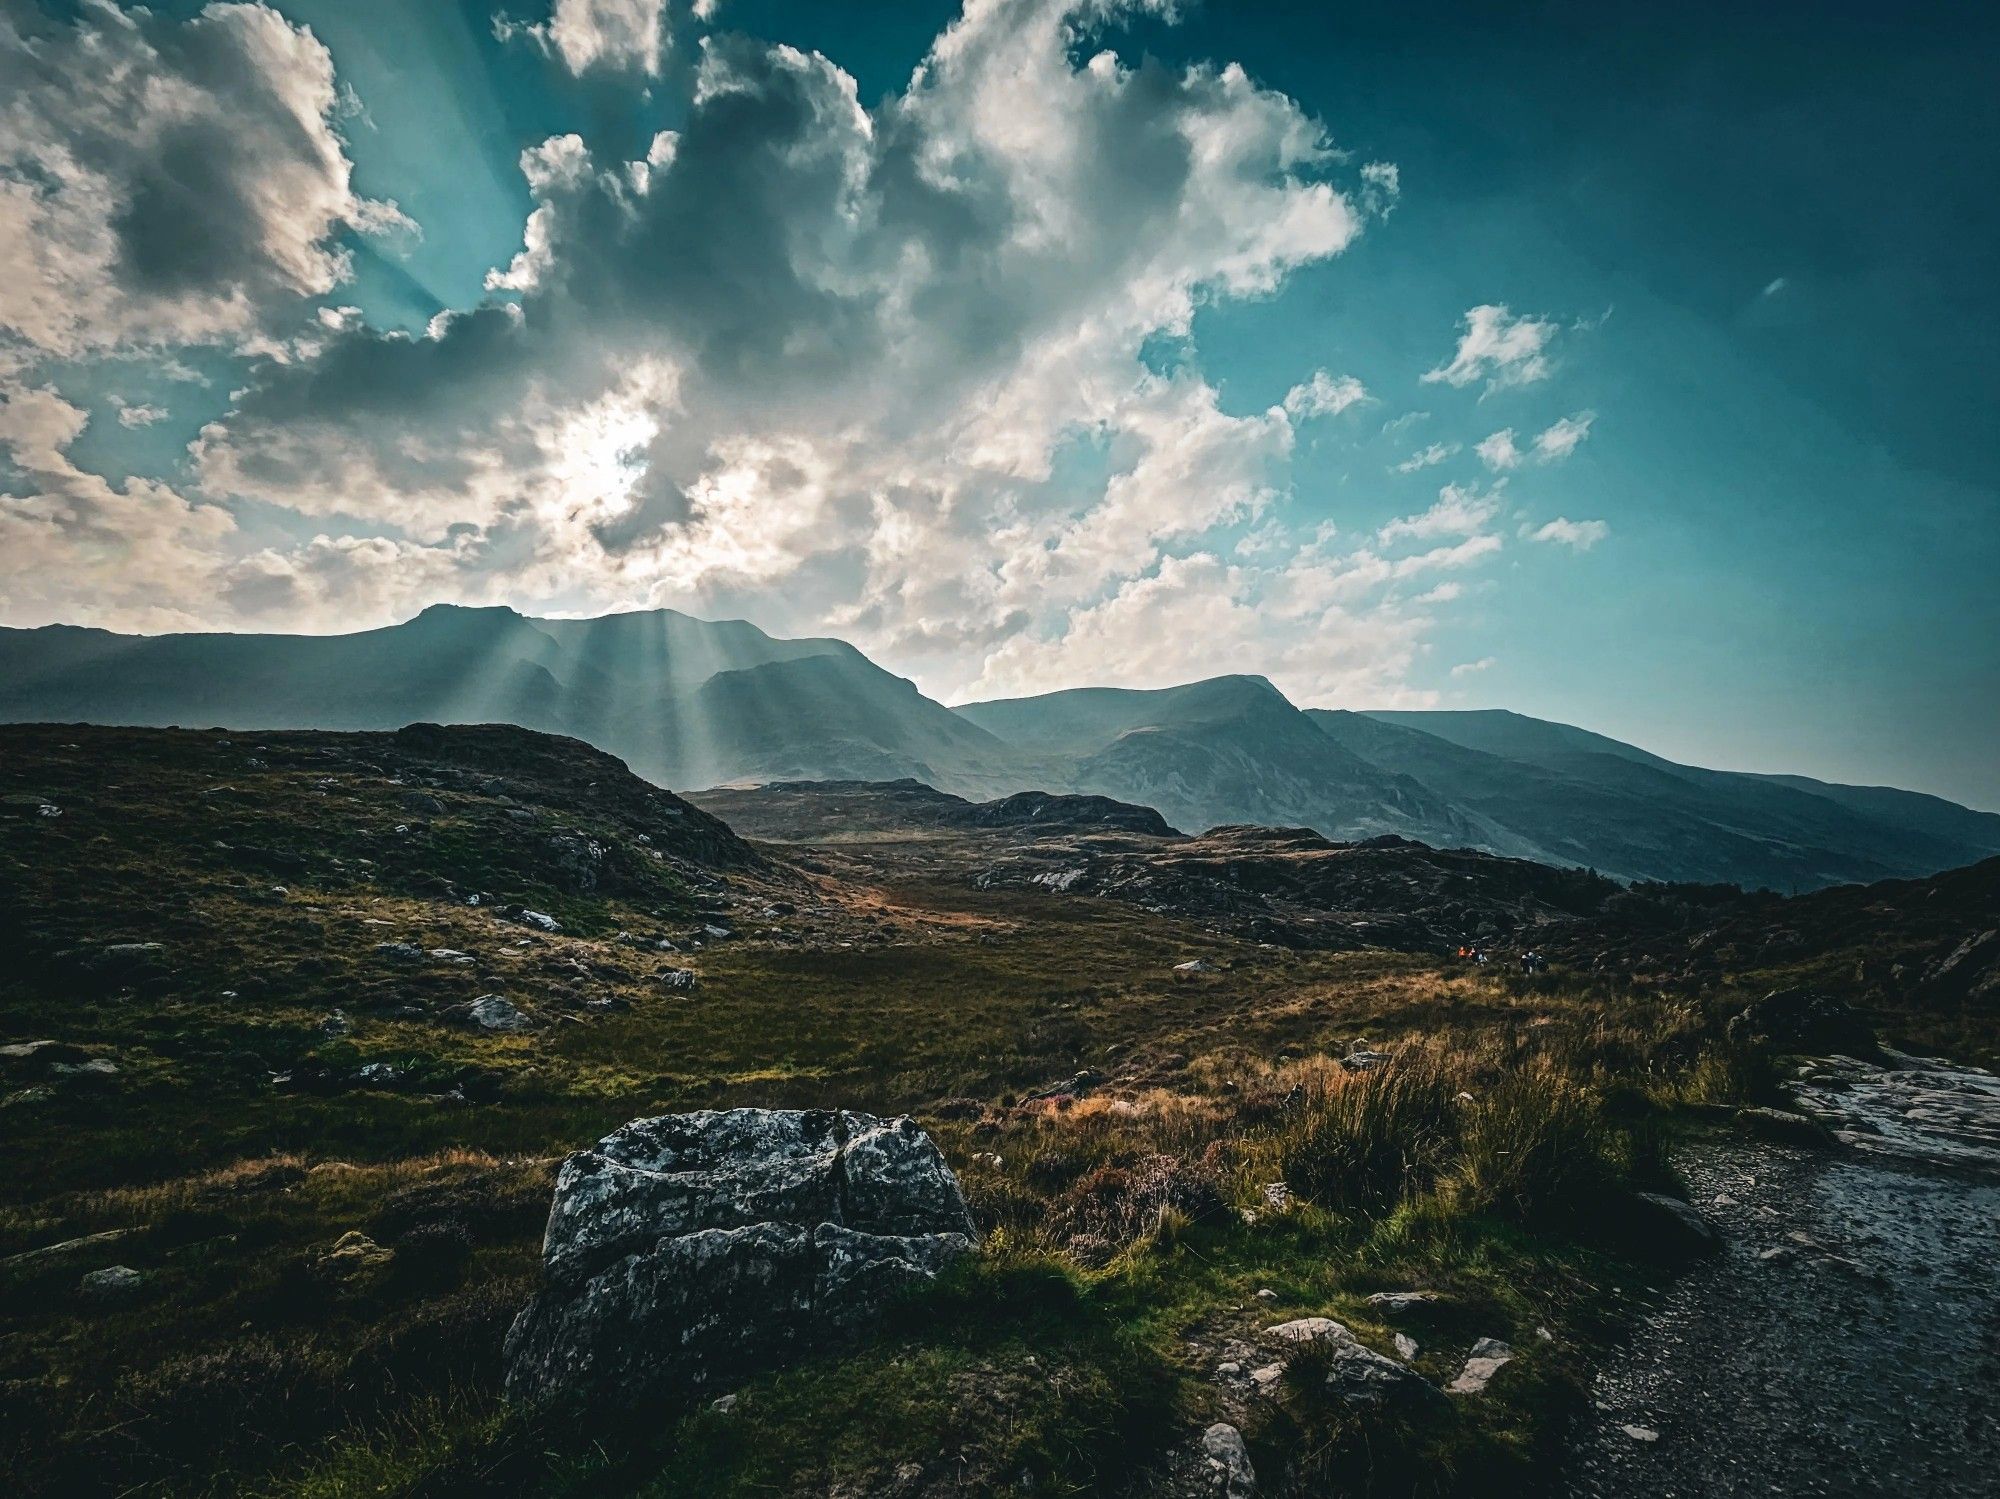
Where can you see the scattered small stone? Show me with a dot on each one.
(1231, 1476)
(335, 1023)
(450, 955)
(1267, 1294)
(1361, 1376)
(402, 952)
(1487, 1358)
(495, 1012)
(1401, 1303)
(722, 1405)
(1194, 965)
(95, 1067)
(541, 921)
(112, 1282)
(1267, 1376)
(1228, 1369)
(1309, 1330)
(1406, 1346)
(682, 979)
(1640, 1433)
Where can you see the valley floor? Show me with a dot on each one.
(276, 1185)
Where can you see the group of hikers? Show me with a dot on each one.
(1531, 961)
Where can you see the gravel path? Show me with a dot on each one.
(1847, 1342)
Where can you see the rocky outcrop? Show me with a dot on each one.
(692, 1249)
(1803, 1020)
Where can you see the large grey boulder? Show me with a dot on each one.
(697, 1248)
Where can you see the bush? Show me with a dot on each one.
(1537, 1145)
(1362, 1141)
(1117, 1206)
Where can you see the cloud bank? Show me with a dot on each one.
(878, 370)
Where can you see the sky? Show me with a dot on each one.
(1633, 366)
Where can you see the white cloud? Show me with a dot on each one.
(131, 415)
(1428, 457)
(1323, 395)
(874, 370)
(1498, 452)
(611, 34)
(1461, 510)
(1580, 534)
(82, 549)
(1553, 444)
(1498, 347)
(1473, 668)
(1563, 437)
(168, 182)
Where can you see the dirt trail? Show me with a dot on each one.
(1847, 1341)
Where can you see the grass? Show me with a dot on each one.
(1128, 1232)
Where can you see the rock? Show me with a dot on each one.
(1267, 1294)
(682, 979)
(402, 952)
(124, 965)
(1194, 966)
(424, 802)
(334, 1023)
(1803, 1020)
(1406, 1346)
(575, 862)
(1640, 1433)
(95, 1067)
(1401, 1303)
(495, 1012)
(449, 955)
(1361, 1376)
(1487, 1358)
(1231, 1476)
(354, 1256)
(1785, 1128)
(1309, 1330)
(114, 1282)
(26, 1051)
(696, 1247)
(722, 1405)
(1267, 1375)
(1667, 1226)
(541, 921)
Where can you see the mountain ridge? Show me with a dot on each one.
(692, 703)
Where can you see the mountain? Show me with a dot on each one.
(697, 703)
(683, 701)
(1227, 750)
(1577, 797)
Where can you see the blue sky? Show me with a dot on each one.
(1047, 416)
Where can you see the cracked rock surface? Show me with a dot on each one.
(696, 1248)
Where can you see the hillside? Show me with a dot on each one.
(693, 703)
(1227, 750)
(1578, 797)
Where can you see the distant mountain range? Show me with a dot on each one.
(690, 703)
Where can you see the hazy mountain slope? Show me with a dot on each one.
(447, 665)
(830, 717)
(692, 703)
(1639, 814)
(1227, 750)
(685, 701)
